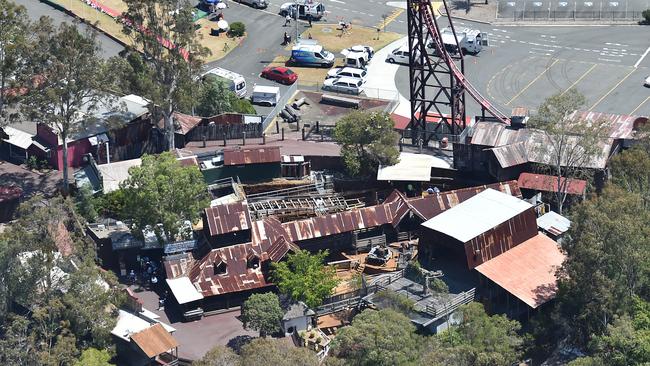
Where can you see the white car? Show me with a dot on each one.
(647, 82)
(399, 55)
(351, 72)
(343, 85)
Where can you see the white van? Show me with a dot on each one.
(265, 95)
(399, 55)
(232, 80)
(356, 59)
(351, 72)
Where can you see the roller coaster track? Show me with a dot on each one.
(441, 72)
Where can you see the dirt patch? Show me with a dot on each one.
(220, 45)
(330, 37)
(478, 10)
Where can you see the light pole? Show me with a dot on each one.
(295, 20)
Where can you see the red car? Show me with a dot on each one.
(280, 74)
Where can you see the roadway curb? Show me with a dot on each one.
(83, 20)
(471, 20)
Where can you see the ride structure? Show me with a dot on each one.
(438, 85)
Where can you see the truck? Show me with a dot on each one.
(231, 80)
(311, 55)
(471, 41)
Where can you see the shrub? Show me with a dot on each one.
(395, 301)
(646, 16)
(237, 29)
(111, 204)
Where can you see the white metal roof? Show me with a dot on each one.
(553, 223)
(183, 290)
(129, 323)
(412, 168)
(266, 89)
(115, 173)
(18, 138)
(477, 215)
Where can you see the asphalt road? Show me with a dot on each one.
(36, 9)
(525, 65)
(570, 9)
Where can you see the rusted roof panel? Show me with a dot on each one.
(154, 340)
(539, 151)
(527, 271)
(269, 242)
(258, 155)
(487, 133)
(228, 218)
(549, 183)
(511, 155)
(620, 126)
(432, 205)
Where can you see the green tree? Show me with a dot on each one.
(305, 278)
(570, 143)
(262, 312)
(215, 98)
(367, 139)
(607, 262)
(15, 44)
(269, 351)
(219, 356)
(86, 203)
(73, 81)
(161, 191)
(393, 300)
(383, 337)
(490, 340)
(171, 68)
(94, 357)
(631, 171)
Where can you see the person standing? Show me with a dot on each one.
(309, 19)
(287, 20)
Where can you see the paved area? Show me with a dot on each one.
(599, 10)
(198, 337)
(525, 65)
(36, 9)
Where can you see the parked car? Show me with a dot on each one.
(282, 75)
(288, 9)
(399, 55)
(647, 82)
(257, 4)
(343, 85)
(351, 72)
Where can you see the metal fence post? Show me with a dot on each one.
(282, 133)
(263, 139)
(244, 138)
(303, 133)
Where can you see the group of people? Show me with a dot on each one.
(149, 273)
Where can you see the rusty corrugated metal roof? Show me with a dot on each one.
(432, 205)
(257, 155)
(154, 340)
(228, 218)
(548, 183)
(487, 133)
(269, 242)
(527, 271)
(621, 126)
(511, 155)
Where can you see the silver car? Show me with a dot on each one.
(346, 85)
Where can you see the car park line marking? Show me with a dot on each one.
(612, 89)
(532, 82)
(580, 78)
(639, 106)
(608, 59)
(337, 1)
(381, 25)
(642, 57)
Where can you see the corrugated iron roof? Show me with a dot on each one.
(432, 205)
(269, 242)
(477, 215)
(554, 223)
(527, 271)
(549, 183)
(487, 133)
(257, 155)
(511, 155)
(228, 218)
(154, 340)
(621, 126)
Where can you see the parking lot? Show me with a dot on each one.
(517, 10)
(524, 65)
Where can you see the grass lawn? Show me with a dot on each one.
(93, 16)
(331, 40)
(219, 46)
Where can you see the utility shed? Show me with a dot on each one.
(526, 271)
(480, 228)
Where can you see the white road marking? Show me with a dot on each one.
(642, 57)
(337, 1)
(607, 59)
